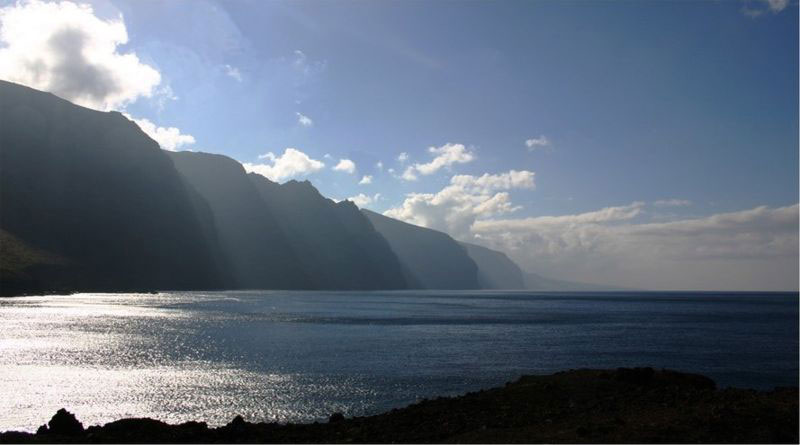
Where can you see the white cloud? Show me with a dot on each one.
(67, 50)
(379, 165)
(535, 143)
(162, 95)
(468, 198)
(402, 157)
(777, 5)
(300, 61)
(409, 174)
(445, 156)
(756, 248)
(362, 200)
(505, 181)
(672, 203)
(291, 163)
(345, 165)
(305, 68)
(367, 179)
(233, 72)
(169, 138)
(764, 6)
(304, 120)
(605, 215)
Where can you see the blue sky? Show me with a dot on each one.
(697, 102)
(670, 112)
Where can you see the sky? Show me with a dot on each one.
(638, 144)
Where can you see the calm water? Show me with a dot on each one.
(298, 356)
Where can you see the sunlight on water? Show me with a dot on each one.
(98, 355)
(299, 356)
(174, 394)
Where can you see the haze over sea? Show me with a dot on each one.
(299, 356)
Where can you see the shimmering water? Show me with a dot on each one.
(299, 356)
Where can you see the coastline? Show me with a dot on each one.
(600, 406)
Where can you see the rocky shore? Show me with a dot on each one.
(638, 405)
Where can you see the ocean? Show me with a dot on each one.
(300, 356)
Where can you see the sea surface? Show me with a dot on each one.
(300, 356)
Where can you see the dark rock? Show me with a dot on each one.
(237, 422)
(65, 424)
(15, 437)
(336, 417)
(638, 376)
(236, 429)
(137, 430)
(694, 381)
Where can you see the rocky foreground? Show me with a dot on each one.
(639, 405)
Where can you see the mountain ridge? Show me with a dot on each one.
(432, 258)
(90, 202)
(64, 169)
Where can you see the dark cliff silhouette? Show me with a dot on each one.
(495, 269)
(333, 241)
(88, 202)
(251, 240)
(432, 260)
(98, 200)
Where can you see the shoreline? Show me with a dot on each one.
(586, 405)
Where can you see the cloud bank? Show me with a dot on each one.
(467, 198)
(748, 249)
(629, 245)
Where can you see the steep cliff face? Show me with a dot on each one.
(495, 269)
(93, 190)
(89, 202)
(432, 259)
(251, 240)
(333, 241)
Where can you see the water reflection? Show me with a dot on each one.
(298, 356)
